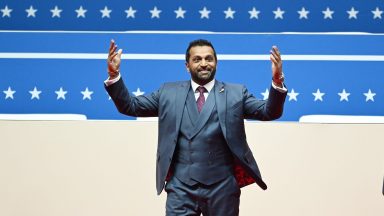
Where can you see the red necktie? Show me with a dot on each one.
(201, 99)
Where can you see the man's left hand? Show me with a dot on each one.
(277, 67)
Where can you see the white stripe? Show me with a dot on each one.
(334, 57)
(188, 32)
(237, 57)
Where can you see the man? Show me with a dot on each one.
(202, 156)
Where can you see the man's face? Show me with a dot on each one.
(201, 64)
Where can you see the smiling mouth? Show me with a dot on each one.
(205, 71)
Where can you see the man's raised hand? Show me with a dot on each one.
(277, 66)
(114, 60)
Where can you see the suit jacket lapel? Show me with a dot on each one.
(221, 105)
(181, 96)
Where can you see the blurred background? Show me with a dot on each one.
(53, 53)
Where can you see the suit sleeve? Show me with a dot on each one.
(137, 106)
(264, 110)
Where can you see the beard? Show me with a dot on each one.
(203, 77)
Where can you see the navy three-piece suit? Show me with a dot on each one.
(201, 147)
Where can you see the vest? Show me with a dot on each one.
(202, 154)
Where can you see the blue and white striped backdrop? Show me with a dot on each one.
(64, 72)
(52, 54)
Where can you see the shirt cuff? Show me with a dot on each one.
(109, 82)
(280, 89)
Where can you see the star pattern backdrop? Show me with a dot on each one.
(197, 15)
(53, 55)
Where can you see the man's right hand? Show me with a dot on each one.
(114, 60)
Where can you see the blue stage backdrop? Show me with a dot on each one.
(52, 53)
(196, 15)
(63, 72)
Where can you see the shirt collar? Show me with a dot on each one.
(208, 86)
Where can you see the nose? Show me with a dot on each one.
(203, 63)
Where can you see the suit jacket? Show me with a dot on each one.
(234, 104)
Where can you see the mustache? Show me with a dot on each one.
(205, 69)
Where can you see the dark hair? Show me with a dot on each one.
(199, 42)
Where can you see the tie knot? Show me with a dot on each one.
(201, 89)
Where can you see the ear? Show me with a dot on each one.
(187, 66)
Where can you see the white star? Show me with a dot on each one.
(155, 13)
(6, 11)
(31, 11)
(292, 95)
(56, 12)
(229, 13)
(279, 13)
(35, 93)
(9, 93)
(369, 96)
(180, 13)
(352, 13)
(130, 12)
(204, 13)
(254, 13)
(87, 94)
(105, 12)
(328, 13)
(138, 92)
(318, 95)
(376, 13)
(303, 13)
(344, 95)
(265, 94)
(81, 12)
(61, 94)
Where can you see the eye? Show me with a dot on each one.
(209, 59)
(196, 60)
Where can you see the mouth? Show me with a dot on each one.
(204, 71)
